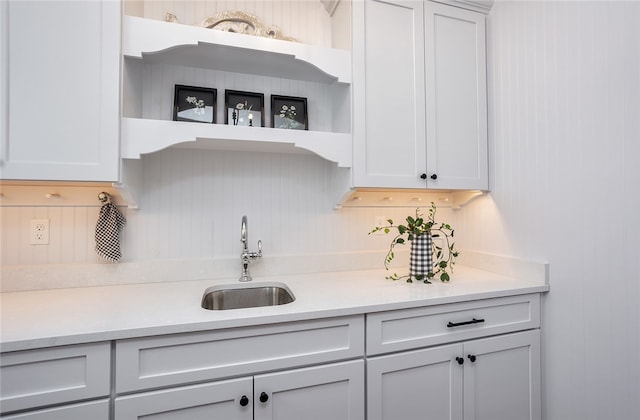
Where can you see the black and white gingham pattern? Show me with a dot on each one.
(421, 258)
(110, 223)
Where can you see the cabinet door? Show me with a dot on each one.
(456, 98)
(333, 392)
(389, 94)
(95, 410)
(57, 375)
(503, 382)
(60, 90)
(421, 385)
(217, 400)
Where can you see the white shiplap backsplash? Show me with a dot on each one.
(191, 204)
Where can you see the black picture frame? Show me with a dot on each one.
(289, 112)
(195, 104)
(240, 108)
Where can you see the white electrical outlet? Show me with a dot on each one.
(39, 232)
(379, 222)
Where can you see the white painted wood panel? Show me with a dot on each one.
(305, 20)
(456, 98)
(415, 385)
(145, 363)
(197, 402)
(159, 81)
(503, 380)
(389, 94)
(63, 123)
(191, 204)
(333, 391)
(35, 378)
(420, 327)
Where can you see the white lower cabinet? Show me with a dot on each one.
(45, 384)
(222, 399)
(333, 391)
(475, 360)
(502, 377)
(420, 384)
(308, 370)
(494, 378)
(471, 360)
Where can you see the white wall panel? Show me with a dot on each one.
(564, 83)
(159, 82)
(191, 205)
(305, 20)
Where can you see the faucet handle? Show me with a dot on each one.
(259, 248)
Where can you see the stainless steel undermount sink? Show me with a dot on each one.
(246, 295)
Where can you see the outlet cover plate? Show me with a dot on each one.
(39, 232)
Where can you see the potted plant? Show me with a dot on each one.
(428, 260)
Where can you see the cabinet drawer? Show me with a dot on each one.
(212, 400)
(420, 327)
(95, 410)
(169, 360)
(34, 378)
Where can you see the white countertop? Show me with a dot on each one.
(54, 317)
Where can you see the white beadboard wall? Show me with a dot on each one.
(159, 80)
(191, 205)
(305, 20)
(564, 84)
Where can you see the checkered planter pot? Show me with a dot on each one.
(421, 258)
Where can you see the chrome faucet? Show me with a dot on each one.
(247, 256)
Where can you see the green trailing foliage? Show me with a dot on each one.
(414, 227)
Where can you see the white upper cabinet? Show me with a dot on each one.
(60, 78)
(456, 98)
(159, 55)
(389, 94)
(420, 114)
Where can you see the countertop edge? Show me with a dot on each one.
(256, 318)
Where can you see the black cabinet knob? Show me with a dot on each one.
(434, 176)
(264, 397)
(423, 176)
(460, 360)
(244, 401)
(472, 357)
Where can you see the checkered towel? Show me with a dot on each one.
(421, 257)
(110, 223)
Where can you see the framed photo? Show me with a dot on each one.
(195, 104)
(243, 108)
(289, 112)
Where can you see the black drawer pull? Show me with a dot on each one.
(459, 324)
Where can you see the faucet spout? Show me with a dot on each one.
(246, 256)
(243, 232)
